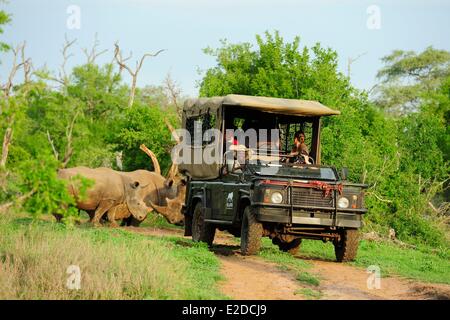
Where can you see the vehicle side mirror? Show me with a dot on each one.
(344, 173)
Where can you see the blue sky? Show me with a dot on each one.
(184, 28)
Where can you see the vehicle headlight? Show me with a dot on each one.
(343, 202)
(276, 197)
(354, 201)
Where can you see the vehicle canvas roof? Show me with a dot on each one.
(293, 107)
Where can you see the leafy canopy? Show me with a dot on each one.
(408, 78)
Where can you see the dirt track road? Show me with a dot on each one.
(249, 278)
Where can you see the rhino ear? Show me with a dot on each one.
(168, 183)
(135, 184)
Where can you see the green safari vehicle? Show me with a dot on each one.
(252, 184)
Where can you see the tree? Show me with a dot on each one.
(276, 69)
(5, 18)
(134, 74)
(408, 78)
(11, 106)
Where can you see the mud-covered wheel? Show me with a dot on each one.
(290, 247)
(251, 232)
(201, 230)
(347, 246)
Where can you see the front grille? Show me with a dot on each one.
(311, 198)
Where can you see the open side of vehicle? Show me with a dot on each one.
(257, 187)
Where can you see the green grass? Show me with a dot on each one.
(307, 278)
(423, 263)
(158, 221)
(309, 293)
(114, 263)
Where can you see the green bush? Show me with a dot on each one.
(144, 125)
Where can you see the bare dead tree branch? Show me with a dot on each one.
(378, 197)
(50, 140)
(27, 64)
(118, 54)
(64, 79)
(134, 74)
(174, 92)
(15, 67)
(92, 54)
(69, 150)
(7, 138)
(7, 89)
(351, 61)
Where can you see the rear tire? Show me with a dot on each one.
(347, 247)
(251, 232)
(201, 230)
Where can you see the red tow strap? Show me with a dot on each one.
(318, 185)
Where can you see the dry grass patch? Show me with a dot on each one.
(114, 264)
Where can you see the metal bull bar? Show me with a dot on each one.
(318, 185)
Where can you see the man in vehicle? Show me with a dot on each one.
(300, 151)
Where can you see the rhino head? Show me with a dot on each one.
(172, 211)
(134, 198)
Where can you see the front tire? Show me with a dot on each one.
(201, 230)
(251, 233)
(347, 246)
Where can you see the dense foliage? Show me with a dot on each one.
(82, 117)
(403, 158)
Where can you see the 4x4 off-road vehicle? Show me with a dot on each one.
(255, 187)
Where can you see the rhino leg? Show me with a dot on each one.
(112, 218)
(101, 210)
(58, 217)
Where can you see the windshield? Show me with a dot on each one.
(293, 171)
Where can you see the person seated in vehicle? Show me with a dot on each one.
(233, 150)
(300, 152)
(230, 138)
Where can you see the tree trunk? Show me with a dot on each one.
(5, 147)
(132, 93)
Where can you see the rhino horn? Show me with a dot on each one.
(152, 156)
(172, 212)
